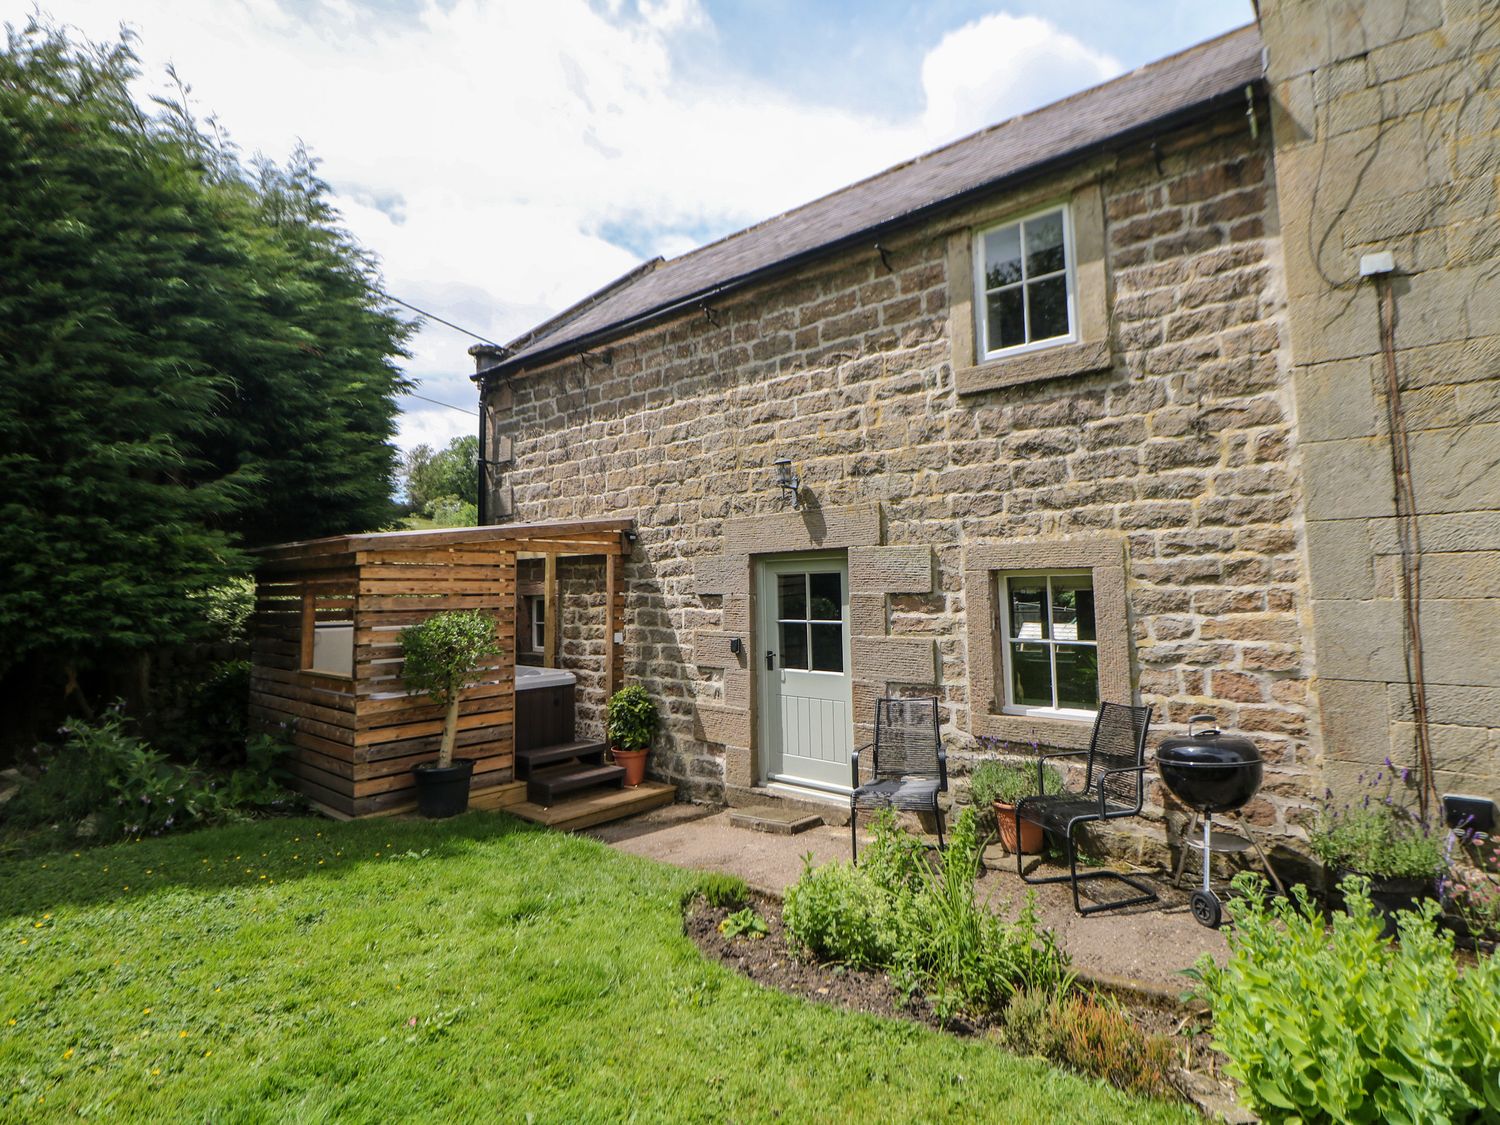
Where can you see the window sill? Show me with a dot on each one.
(1060, 715)
(1064, 734)
(1034, 367)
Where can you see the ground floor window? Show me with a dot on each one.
(1049, 636)
(1050, 647)
(536, 631)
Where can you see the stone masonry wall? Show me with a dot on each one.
(1184, 451)
(1387, 131)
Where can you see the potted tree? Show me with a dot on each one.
(441, 656)
(1378, 836)
(1001, 785)
(630, 721)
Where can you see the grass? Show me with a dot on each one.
(471, 969)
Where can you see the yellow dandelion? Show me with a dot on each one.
(156, 1070)
(25, 941)
(68, 1054)
(148, 871)
(144, 1011)
(262, 876)
(127, 886)
(320, 863)
(12, 1023)
(37, 925)
(182, 1035)
(207, 1053)
(44, 867)
(296, 839)
(46, 916)
(219, 989)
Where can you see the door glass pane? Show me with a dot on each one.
(1007, 323)
(827, 597)
(1030, 676)
(794, 645)
(1073, 607)
(1028, 617)
(1044, 245)
(827, 648)
(1049, 307)
(792, 590)
(1002, 256)
(1078, 677)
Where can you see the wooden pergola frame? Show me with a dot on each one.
(359, 735)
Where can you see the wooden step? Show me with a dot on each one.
(529, 761)
(599, 806)
(545, 787)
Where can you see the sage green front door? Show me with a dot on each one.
(806, 707)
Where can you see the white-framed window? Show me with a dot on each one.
(1049, 643)
(1023, 284)
(536, 613)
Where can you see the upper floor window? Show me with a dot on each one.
(1050, 646)
(1024, 281)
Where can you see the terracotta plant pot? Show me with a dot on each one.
(634, 762)
(1031, 834)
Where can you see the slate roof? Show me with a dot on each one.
(1155, 96)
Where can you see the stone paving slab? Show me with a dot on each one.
(1147, 946)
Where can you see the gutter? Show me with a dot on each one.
(1183, 116)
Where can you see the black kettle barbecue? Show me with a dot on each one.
(1211, 773)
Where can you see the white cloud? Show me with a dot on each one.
(1001, 65)
(481, 148)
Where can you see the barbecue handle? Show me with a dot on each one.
(1201, 719)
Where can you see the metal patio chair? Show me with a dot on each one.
(908, 766)
(1113, 788)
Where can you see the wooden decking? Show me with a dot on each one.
(593, 808)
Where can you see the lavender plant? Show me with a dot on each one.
(1377, 832)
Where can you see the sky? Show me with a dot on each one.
(505, 158)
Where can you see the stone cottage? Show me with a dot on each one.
(1089, 405)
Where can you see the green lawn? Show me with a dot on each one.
(472, 969)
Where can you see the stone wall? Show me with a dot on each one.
(1387, 131)
(1181, 452)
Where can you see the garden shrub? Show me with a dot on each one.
(1346, 1026)
(840, 914)
(106, 783)
(1089, 1033)
(925, 926)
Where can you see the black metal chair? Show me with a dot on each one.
(908, 766)
(1113, 788)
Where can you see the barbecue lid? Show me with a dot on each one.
(1207, 746)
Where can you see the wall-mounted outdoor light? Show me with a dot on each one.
(787, 481)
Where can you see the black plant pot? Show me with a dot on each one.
(1389, 894)
(443, 791)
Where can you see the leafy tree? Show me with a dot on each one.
(452, 471)
(440, 656)
(193, 359)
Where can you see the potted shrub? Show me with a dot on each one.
(1001, 784)
(630, 720)
(1378, 836)
(441, 656)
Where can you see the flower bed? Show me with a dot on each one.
(902, 936)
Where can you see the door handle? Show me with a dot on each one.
(770, 659)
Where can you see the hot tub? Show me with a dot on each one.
(545, 698)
